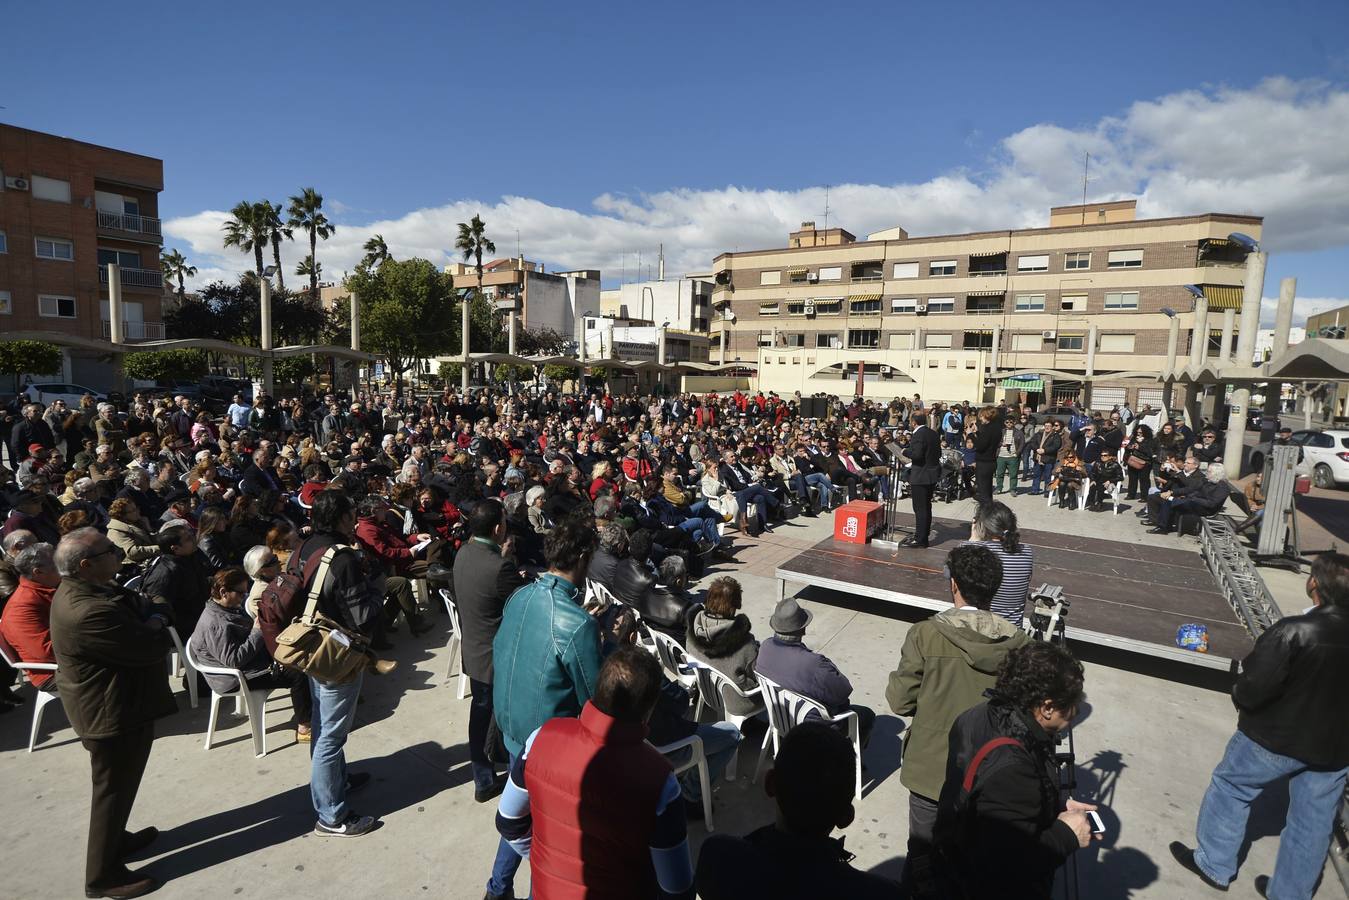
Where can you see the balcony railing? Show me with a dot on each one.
(986, 273)
(878, 276)
(136, 331)
(128, 222)
(142, 278)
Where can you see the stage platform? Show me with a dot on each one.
(1131, 597)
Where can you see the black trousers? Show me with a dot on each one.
(983, 480)
(917, 878)
(117, 764)
(922, 511)
(479, 718)
(1139, 481)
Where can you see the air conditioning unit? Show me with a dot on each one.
(17, 184)
(1048, 335)
(921, 309)
(886, 370)
(812, 276)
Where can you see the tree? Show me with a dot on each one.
(277, 231)
(246, 229)
(376, 251)
(306, 214)
(407, 312)
(560, 374)
(449, 372)
(509, 374)
(175, 268)
(29, 357)
(472, 242)
(231, 312)
(164, 365)
(309, 267)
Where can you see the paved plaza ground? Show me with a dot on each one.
(236, 826)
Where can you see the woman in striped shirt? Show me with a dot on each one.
(994, 527)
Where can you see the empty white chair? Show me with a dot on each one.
(786, 710)
(711, 685)
(699, 759)
(598, 594)
(40, 698)
(254, 703)
(456, 645)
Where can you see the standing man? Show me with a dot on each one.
(110, 649)
(1291, 710)
(924, 452)
(485, 576)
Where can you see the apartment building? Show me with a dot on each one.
(555, 300)
(685, 303)
(1331, 397)
(67, 208)
(1025, 314)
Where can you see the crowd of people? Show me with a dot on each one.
(567, 529)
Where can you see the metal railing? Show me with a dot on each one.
(146, 278)
(136, 331)
(879, 276)
(986, 273)
(129, 222)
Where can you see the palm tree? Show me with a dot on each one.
(376, 251)
(247, 230)
(277, 231)
(175, 268)
(308, 266)
(472, 242)
(306, 214)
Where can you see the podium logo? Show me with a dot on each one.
(850, 527)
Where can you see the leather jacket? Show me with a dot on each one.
(1290, 692)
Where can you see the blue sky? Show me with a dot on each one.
(599, 130)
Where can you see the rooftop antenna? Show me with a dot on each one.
(826, 207)
(517, 242)
(1086, 158)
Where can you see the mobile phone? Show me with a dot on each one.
(1097, 826)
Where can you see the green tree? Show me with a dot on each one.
(306, 214)
(376, 251)
(164, 365)
(472, 243)
(510, 374)
(175, 268)
(406, 312)
(308, 266)
(29, 357)
(449, 372)
(246, 228)
(277, 231)
(561, 374)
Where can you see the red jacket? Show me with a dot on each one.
(26, 626)
(636, 469)
(384, 544)
(310, 489)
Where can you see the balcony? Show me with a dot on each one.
(136, 331)
(125, 223)
(151, 279)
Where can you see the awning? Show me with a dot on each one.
(985, 293)
(856, 297)
(1223, 296)
(1216, 242)
(1023, 384)
(988, 253)
(798, 270)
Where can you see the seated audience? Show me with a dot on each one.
(719, 635)
(179, 575)
(1203, 499)
(26, 625)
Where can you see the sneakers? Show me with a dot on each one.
(354, 825)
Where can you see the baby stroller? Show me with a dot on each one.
(948, 485)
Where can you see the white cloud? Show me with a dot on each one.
(1302, 308)
(1276, 150)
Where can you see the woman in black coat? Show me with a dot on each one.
(1141, 446)
(987, 437)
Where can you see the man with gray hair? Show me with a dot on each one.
(26, 626)
(1203, 499)
(110, 648)
(108, 429)
(14, 542)
(30, 430)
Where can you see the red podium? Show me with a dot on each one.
(856, 522)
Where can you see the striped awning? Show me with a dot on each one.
(1216, 242)
(985, 293)
(798, 270)
(1221, 296)
(988, 253)
(1023, 384)
(856, 297)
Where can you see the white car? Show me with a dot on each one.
(46, 392)
(1325, 455)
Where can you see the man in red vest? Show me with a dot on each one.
(594, 808)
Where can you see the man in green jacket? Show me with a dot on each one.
(110, 647)
(947, 663)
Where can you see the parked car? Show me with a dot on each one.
(1063, 413)
(222, 388)
(1325, 454)
(176, 387)
(47, 391)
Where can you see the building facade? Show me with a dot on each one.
(1027, 314)
(67, 209)
(542, 300)
(685, 303)
(1330, 399)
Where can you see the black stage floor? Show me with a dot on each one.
(1131, 597)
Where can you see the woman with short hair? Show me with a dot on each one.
(719, 635)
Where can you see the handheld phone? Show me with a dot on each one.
(1097, 826)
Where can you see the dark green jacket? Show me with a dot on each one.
(947, 663)
(112, 672)
(545, 658)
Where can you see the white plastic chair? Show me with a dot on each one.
(673, 659)
(40, 698)
(786, 710)
(456, 644)
(711, 684)
(598, 593)
(697, 758)
(177, 657)
(1083, 490)
(254, 703)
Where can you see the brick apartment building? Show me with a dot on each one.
(67, 208)
(946, 315)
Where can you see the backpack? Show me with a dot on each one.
(283, 598)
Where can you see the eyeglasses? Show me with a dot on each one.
(111, 548)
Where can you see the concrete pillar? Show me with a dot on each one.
(1087, 382)
(1250, 323)
(510, 333)
(1172, 344)
(1199, 334)
(722, 360)
(115, 323)
(1283, 322)
(1225, 353)
(355, 322)
(463, 314)
(265, 319)
(993, 355)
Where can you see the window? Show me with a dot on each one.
(978, 340)
(906, 270)
(941, 304)
(1126, 300)
(1117, 343)
(901, 340)
(826, 339)
(1073, 303)
(988, 264)
(127, 259)
(903, 304)
(54, 248)
(765, 339)
(831, 273)
(984, 305)
(866, 338)
(1124, 259)
(4, 243)
(796, 308)
(56, 307)
(770, 278)
(795, 340)
(867, 271)
(1028, 343)
(941, 267)
(1078, 259)
(828, 307)
(6, 303)
(937, 341)
(867, 307)
(797, 276)
(768, 309)
(1071, 341)
(1030, 302)
(50, 189)
(1038, 263)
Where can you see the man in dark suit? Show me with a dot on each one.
(485, 575)
(925, 454)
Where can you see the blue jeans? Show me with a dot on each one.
(701, 529)
(1313, 798)
(720, 742)
(700, 509)
(1044, 472)
(334, 713)
(507, 861)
